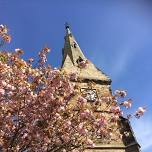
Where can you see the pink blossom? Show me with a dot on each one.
(85, 114)
(19, 51)
(73, 76)
(25, 135)
(82, 100)
(46, 49)
(140, 112)
(3, 83)
(116, 110)
(81, 125)
(61, 109)
(90, 143)
(10, 93)
(120, 93)
(81, 129)
(6, 38)
(58, 116)
(2, 91)
(101, 122)
(127, 103)
(3, 29)
(30, 60)
(115, 118)
(1, 26)
(67, 124)
(11, 87)
(65, 137)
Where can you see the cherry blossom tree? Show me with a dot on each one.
(35, 109)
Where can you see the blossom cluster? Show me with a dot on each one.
(35, 109)
(37, 112)
(4, 34)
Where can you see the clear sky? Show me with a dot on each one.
(116, 35)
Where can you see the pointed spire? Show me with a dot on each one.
(72, 55)
(71, 50)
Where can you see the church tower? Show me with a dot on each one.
(72, 56)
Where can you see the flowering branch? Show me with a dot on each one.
(4, 35)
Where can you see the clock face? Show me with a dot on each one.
(89, 94)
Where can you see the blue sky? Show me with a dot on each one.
(116, 35)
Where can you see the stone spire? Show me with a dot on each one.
(72, 57)
(72, 54)
(71, 50)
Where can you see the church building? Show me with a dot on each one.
(72, 55)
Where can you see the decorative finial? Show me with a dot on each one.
(67, 27)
